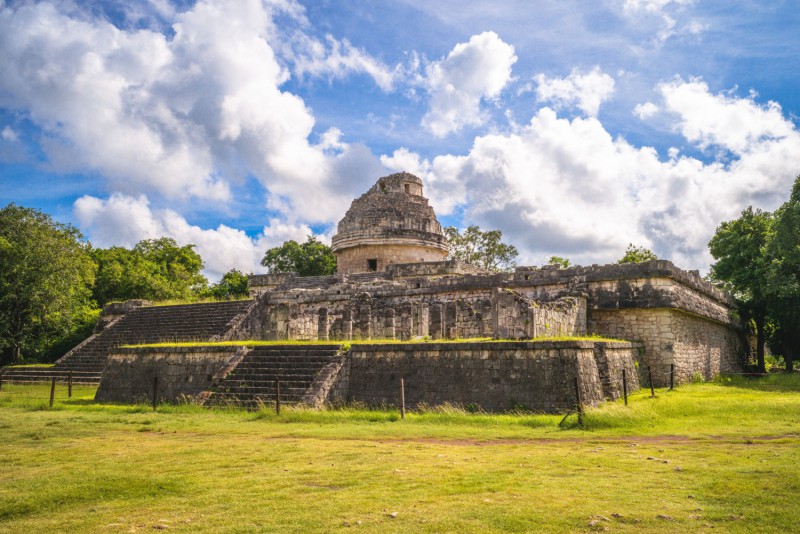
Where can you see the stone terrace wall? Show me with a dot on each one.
(495, 376)
(695, 345)
(181, 371)
(442, 301)
(377, 312)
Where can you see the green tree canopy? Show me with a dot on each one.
(783, 288)
(740, 248)
(480, 248)
(634, 254)
(45, 274)
(562, 263)
(312, 258)
(155, 269)
(232, 285)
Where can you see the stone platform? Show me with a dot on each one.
(492, 376)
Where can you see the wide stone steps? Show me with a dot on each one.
(155, 324)
(253, 382)
(280, 369)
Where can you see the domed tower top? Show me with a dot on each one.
(390, 223)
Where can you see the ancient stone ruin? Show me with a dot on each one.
(390, 223)
(395, 283)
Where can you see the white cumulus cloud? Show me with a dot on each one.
(584, 91)
(666, 14)
(736, 124)
(125, 220)
(9, 135)
(646, 110)
(570, 188)
(337, 59)
(180, 116)
(476, 70)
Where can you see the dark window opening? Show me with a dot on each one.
(408, 189)
(372, 265)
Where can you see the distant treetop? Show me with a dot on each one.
(635, 254)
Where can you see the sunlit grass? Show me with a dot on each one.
(30, 366)
(717, 455)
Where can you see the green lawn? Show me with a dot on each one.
(721, 457)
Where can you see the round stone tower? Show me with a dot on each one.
(390, 223)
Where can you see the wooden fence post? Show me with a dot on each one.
(625, 387)
(278, 396)
(155, 392)
(580, 402)
(69, 385)
(52, 390)
(671, 376)
(650, 377)
(402, 399)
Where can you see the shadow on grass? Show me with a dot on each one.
(768, 382)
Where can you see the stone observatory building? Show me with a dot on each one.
(395, 284)
(391, 223)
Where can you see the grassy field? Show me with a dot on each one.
(722, 457)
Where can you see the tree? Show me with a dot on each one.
(479, 248)
(783, 287)
(739, 246)
(634, 254)
(562, 263)
(45, 274)
(232, 285)
(155, 269)
(312, 258)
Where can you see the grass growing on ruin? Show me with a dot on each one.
(192, 300)
(262, 343)
(206, 300)
(722, 455)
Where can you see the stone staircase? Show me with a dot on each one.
(252, 382)
(148, 324)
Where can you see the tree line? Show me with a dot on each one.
(758, 260)
(53, 283)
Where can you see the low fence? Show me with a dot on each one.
(39, 394)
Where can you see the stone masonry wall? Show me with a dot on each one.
(693, 344)
(439, 301)
(370, 315)
(495, 376)
(181, 371)
(355, 259)
(612, 358)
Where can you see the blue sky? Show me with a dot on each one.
(574, 127)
